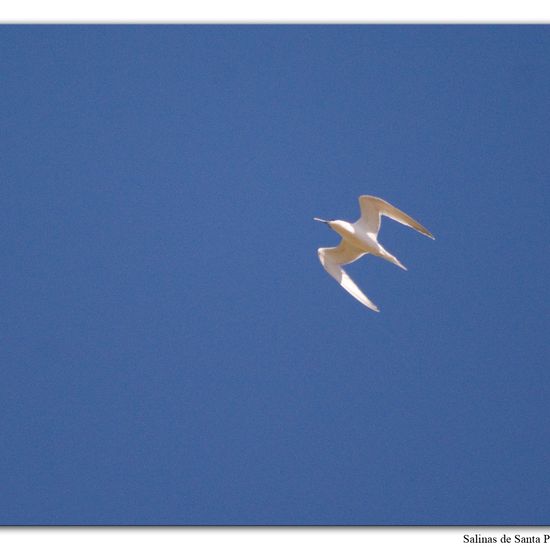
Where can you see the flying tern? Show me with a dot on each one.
(361, 238)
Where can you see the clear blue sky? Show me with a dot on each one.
(172, 350)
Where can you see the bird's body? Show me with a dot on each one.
(361, 238)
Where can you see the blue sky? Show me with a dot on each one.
(172, 350)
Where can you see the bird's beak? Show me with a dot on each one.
(320, 220)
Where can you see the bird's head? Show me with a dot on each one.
(335, 225)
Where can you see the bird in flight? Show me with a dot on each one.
(361, 238)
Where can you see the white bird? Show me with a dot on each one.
(361, 238)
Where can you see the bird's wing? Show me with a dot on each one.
(372, 208)
(333, 258)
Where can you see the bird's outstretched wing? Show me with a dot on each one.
(372, 208)
(332, 260)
